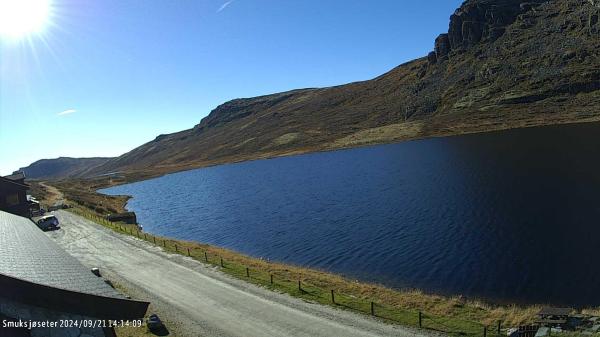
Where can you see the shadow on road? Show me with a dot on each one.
(162, 331)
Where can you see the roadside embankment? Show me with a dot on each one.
(447, 314)
(453, 315)
(196, 298)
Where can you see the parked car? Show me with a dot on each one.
(48, 222)
(154, 323)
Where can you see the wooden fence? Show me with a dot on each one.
(304, 289)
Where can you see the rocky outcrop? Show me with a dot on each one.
(479, 21)
(432, 57)
(442, 46)
(502, 63)
(593, 25)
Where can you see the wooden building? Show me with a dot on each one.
(13, 194)
(553, 317)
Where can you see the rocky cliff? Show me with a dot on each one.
(501, 64)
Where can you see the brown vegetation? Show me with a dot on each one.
(459, 315)
(80, 193)
(513, 66)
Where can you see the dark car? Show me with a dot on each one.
(154, 323)
(48, 222)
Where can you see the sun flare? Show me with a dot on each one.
(19, 18)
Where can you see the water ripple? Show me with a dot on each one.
(493, 215)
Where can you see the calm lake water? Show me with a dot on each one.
(506, 216)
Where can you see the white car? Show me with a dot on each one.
(48, 222)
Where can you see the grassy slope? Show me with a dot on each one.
(453, 315)
(542, 70)
(61, 167)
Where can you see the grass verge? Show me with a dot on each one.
(452, 315)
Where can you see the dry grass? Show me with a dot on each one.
(398, 305)
(41, 192)
(454, 315)
(83, 193)
(382, 134)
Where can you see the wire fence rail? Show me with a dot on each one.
(305, 289)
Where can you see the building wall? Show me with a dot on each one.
(13, 199)
(26, 313)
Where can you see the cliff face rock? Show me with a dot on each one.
(480, 21)
(502, 64)
(442, 46)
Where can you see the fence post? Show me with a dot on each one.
(499, 327)
(145, 237)
(165, 243)
(372, 308)
(247, 272)
(222, 263)
(332, 297)
(176, 250)
(189, 252)
(154, 239)
(484, 331)
(271, 275)
(420, 319)
(205, 257)
(299, 286)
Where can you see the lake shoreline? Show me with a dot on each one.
(132, 176)
(458, 313)
(102, 204)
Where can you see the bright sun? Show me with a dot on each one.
(19, 18)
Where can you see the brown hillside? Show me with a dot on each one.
(502, 64)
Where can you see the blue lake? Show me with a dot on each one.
(505, 216)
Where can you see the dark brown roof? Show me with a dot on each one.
(10, 181)
(16, 176)
(550, 311)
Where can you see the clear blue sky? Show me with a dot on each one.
(135, 69)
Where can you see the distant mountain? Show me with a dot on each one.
(502, 64)
(62, 167)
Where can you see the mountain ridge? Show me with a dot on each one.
(62, 167)
(501, 64)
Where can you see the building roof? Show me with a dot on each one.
(35, 268)
(16, 176)
(28, 254)
(10, 181)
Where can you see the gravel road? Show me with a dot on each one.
(200, 299)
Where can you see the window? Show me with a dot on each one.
(12, 199)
